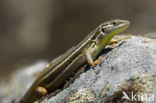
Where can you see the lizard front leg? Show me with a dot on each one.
(88, 54)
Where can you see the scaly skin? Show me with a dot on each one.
(56, 74)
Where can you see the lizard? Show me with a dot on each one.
(56, 73)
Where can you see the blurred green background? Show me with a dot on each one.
(32, 30)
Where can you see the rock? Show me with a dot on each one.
(128, 68)
(126, 73)
(12, 90)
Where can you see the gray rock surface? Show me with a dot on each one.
(128, 68)
(11, 90)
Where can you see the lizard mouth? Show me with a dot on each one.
(123, 25)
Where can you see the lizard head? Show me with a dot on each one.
(116, 26)
(107, 30)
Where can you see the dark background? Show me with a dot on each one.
(32, 30)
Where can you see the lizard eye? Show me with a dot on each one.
(114, 23)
